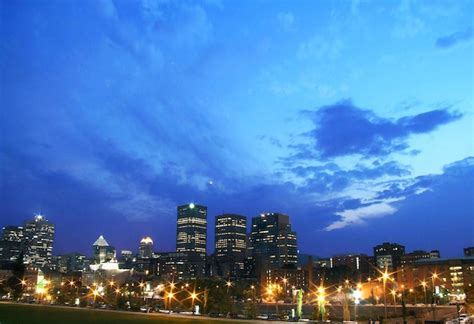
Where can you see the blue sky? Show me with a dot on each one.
(353, 117)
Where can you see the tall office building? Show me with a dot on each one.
(11, 243)
(191, 233)
(230, 244)
(102, 251)
(39, 235)
(272, 242)
(388, 255)
(146, 248)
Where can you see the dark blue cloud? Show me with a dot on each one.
(344, 129)
(439, 217)
(455, 38)
(331, 178)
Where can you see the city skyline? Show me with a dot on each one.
(211, 249)
(353, 118)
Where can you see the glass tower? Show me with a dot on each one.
(191, 233)
(230, 243)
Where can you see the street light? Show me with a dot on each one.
(394, 294)
(433, 277)
(423, 283)
(321, 298)
(170, 298)
(193, 298)
(385, 277)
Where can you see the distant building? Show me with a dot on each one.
(177, 266)
(273, 243)
(191, 233)
(126, 255)
(146, 248)
(71, 262)
(388, 255)
(469, 251)
(11, 243)
(102, 252)
(357, 263)
(285, 281)
(230, 244)
(409, 258)
(39, 236)
(455, 275)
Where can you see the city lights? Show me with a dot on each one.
(143, 283)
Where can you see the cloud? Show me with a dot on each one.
(454, 39)
(331, 178)
(319, 47)
(344, 129)
(407, 21)
(286, 20)
(360, 215)
(454, 175)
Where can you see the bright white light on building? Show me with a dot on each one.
(191, 205)
(357, 294)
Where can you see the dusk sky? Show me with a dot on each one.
(356, 118)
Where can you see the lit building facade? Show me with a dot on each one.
(176, 266)
(102, 252)
(455, 275)
(39, 236)
(358, 264)
(146, 248)
(273, 243)
(230, 244)
(11, 243)
(388, 255)
(71, 262)
(191, 233)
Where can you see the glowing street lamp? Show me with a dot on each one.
(193, 296)
(433, 277)
(385, 276)
(321, 298)
(357, 295)
(170, 298)
(394, 294)
(423, 283)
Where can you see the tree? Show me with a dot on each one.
(14, 283)
(250, 305)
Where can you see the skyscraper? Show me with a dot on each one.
(273, 243)
(11, 243)
(102, 251)
(230, 243)
(191, 233)
(388, 255)
(39, 235)
(146, 248)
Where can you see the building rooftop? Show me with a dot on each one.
(146, 240)
(100, 242)
(440, 260)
